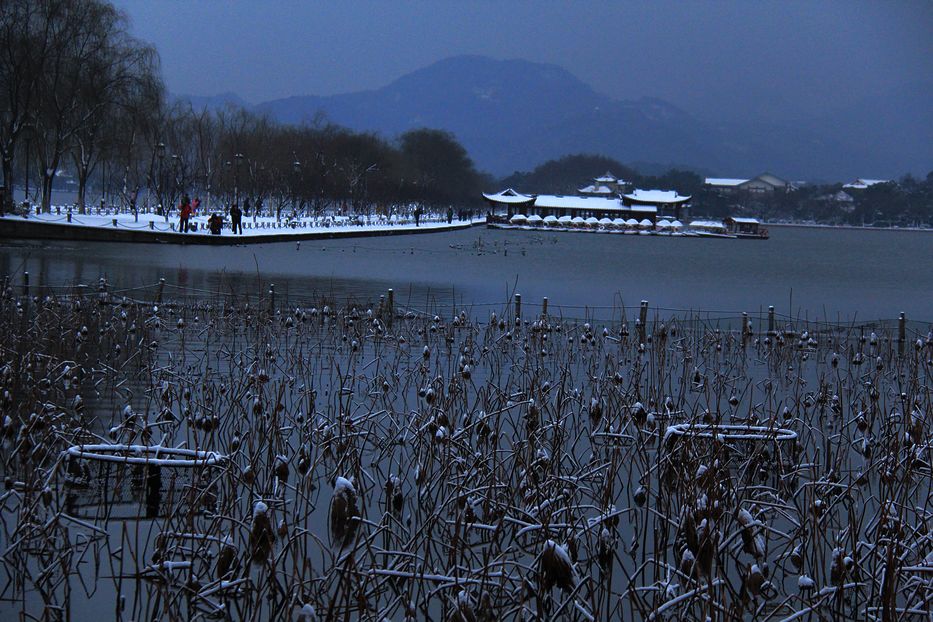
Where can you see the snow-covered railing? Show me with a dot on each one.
(151, 455)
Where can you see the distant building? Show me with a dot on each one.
(762, 184)
(604, 185)
(727, 184)
(837, 197)
(841, 200)
(862, 184)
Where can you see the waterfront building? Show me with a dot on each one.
(863, 184)
(762, 184)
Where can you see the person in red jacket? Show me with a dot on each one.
(185, 214)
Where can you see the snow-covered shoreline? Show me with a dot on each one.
(263, 229)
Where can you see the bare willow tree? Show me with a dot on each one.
(22, 50)
(90, 67)
(123, 79)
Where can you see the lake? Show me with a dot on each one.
(487, 462)
(814, 273)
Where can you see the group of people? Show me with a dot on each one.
(187, 208)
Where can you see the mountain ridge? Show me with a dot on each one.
(514, 114)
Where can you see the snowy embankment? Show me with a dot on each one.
(123, 227)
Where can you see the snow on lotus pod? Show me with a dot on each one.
(752, 542)
(805, 583)
(261, 535)
(463, 608)
(306, 613)
(281, 468)
(555, 568)
(344, 513)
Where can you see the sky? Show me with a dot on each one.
(781, 57)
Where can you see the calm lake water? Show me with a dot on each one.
(833, 274)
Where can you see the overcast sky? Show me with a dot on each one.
(783, 56)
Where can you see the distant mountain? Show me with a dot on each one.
(514, 114)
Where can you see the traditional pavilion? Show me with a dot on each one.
(606, 184)
(666, 201)
(508, 199)
(570, 207)
(604, 201)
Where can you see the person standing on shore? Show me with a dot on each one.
(418, 216)
(215, 223)
(236, 219)
(184, 215)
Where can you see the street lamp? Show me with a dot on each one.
(236, 178)
(175, 160)
(160, 153)
(296, 166)
(372, 169)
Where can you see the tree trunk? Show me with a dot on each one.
(7, 199)
(47, 190)
(82, 192)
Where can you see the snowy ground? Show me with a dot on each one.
(252, 227)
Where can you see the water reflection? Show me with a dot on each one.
(807, 273)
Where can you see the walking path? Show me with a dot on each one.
(265, 229)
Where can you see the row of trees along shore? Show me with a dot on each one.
(79, 94)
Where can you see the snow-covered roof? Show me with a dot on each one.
(861, 184)
(606, 178)
(604, 204)
(706, 224)
(656, 196)
(594, 189)
(723, 181)
(745, 221)
(508, 196)
(573, 202)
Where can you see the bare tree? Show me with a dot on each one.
(124, 76)
(23, 41)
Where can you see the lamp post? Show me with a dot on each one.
(175, 160)
(160, 154)
(236, 178)
(372, 169)
(296, 167)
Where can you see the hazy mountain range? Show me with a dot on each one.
(514, 114)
